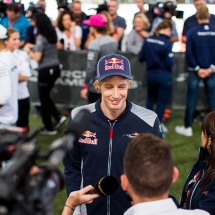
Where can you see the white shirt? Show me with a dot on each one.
(161, 207)
(23, 66)
(8, 88)
(69, 42)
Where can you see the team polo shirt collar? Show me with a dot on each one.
(155, 207)
(102, 116)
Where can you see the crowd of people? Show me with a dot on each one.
(144, 165)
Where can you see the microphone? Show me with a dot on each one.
(75, 128)
(106, 186)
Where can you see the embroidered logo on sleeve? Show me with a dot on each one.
(89, 138)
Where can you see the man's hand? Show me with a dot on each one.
(1, 106)
(202, 73)
(209, 71)
(80, 197)
(83, 93)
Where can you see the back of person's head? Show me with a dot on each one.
(60, 19)
(148, 165)
(45, 28)
(202, 13)
(110, 26)
(16, 8)
(144, 19)
(208, 130)
(163, 25)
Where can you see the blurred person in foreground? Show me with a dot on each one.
(102, 45)
(69, 34)
(79, 17)
(23, 66)
(100, 149)
(192, 21)
(148, 174)
(200, 54)
(199, 188)
(136, 37)
(8, 84)
(45, 53)
(157, 53)
(15, 19)
(111, 31)
(118, 21)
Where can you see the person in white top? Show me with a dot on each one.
(8, 84)
(148, 174)
(69, 34)
(23, 65)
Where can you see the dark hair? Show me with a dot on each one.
(208, 129)
(60, 19)
(163, 25)
(101, 30)
(148, 165)
(16, 8)
(45, 27)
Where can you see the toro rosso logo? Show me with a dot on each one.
(89, 138)
(114, 63)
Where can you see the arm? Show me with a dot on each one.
(174, 36)
(72, 169)
(35, 55)
(24, 30)
(142, 54)
(5, 85)
(157, 131)
(38, 49)
(169, 57)
(77, 198)
(184, 32)
(77, 36)
(131, 44)
(190, 53)
(120, 29)
(90, 38)
(24, 67)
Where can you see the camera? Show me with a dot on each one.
(22, 192)
(160, 8)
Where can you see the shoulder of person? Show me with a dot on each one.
(145, 114)
(191, 212)
(94, 45)
(89, 107)
(190, 18)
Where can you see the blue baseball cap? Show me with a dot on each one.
(113, 64)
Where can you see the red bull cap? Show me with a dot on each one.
(113, 64)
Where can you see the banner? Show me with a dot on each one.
(67, 89)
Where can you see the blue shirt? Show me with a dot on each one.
(158, 20)
(157, 52)
(200, 51)
(90, 158)
(192, 21)
(21, 25)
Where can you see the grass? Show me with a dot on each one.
(185, 150)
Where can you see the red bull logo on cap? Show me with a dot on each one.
(90, 138)
(115, 64)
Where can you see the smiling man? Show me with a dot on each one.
(100, 150)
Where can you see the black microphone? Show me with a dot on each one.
(74, 130)
(106, 186)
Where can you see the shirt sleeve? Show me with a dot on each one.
(169, 60)
(131, 44)
(72, 169)
(142, 54)
(157, 130)
(77, 32)
(121, 23)
(190, 56)
(24, 65)
(92, 60)
(40, 44)
(5, 84)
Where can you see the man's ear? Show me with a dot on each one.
(175, 174)
(124, 182)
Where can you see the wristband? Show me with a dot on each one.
(84, 86)
(70, 207)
